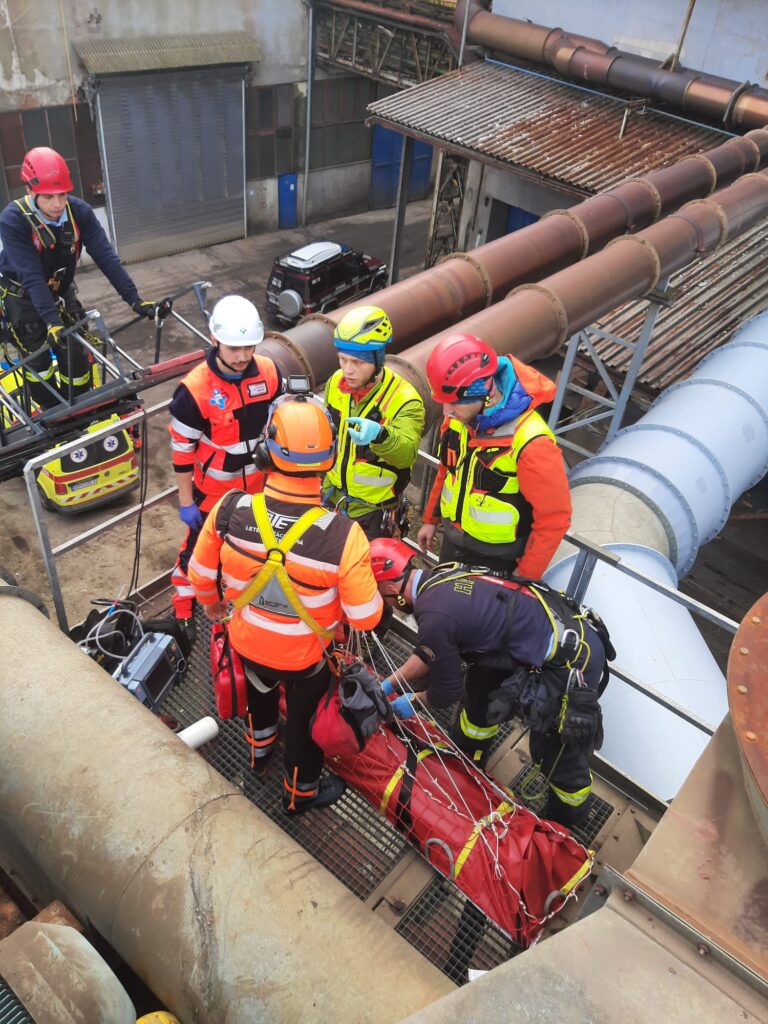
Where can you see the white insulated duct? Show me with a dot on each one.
(653, 495)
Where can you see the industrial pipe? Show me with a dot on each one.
(653, 495)
(217, 910)
(60, 978)
(465, 283)
(698, 95)
(536, 319)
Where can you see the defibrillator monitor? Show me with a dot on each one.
(298, 384)
(151, 669)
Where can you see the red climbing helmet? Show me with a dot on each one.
(390, 558)
(46, 172)
(461, 368)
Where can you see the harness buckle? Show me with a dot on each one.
(279, 556)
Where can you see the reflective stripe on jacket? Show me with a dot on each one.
(215, 424)
(330, 570)
(481, 490)
(375, 474)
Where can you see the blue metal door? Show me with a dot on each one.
(518, 218)
(386, 155)
(286, 201)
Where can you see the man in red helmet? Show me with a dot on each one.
(530, 652)
(42, 237)
(501, 490)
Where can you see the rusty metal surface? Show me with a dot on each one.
(713, 296)
(586, 60)
(748, 701)
(707, 860)
(565, 135)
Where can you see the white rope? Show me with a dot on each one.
(358, 640)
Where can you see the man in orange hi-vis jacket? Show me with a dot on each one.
(292, 571)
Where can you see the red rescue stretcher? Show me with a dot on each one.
(518, 869)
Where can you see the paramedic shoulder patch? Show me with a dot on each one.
(259, 387)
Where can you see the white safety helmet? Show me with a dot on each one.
(235, 322)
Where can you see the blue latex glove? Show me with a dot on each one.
(362, 431)
(403, 706)
(191, 516)
(386, 687)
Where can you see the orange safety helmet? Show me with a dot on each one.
(46, 172)
(460, 368)
(390, 558)
(300, 436)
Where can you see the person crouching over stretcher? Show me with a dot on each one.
(531, 652)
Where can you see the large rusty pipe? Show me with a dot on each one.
(217, 910)
(537, 318)
(696, 94)
(466, 283)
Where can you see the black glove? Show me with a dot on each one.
(582, 719)
(505, 703)
(362, 698)
(541, 699)
(152, 310)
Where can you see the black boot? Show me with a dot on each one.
(330, 789)
(567, 814)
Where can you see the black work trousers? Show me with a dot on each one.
(565, 766)
(29, 334)
(458, 546)
(303, 759)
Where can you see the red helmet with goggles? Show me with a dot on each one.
(460, 368)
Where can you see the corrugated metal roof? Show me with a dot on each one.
(713, 297)
(561, 132)
(156, 53)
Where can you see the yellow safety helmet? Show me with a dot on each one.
(158, 1017)
(364, 333)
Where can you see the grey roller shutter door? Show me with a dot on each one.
(172, 152)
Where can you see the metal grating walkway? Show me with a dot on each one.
(528, 786)
(356, 844)
(453, 934)
(11, 1010)
(350, 839)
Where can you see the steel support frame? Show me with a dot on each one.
(447, 202)
(613, 407)
(400, 208)
(383, 49)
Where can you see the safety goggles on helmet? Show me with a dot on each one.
(469, 394)
(460, 368)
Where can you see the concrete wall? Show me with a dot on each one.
(33, 50)
(337, 190)
(484, 184)
(333, 191)
(725, 37)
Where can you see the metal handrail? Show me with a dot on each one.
(589, 554)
